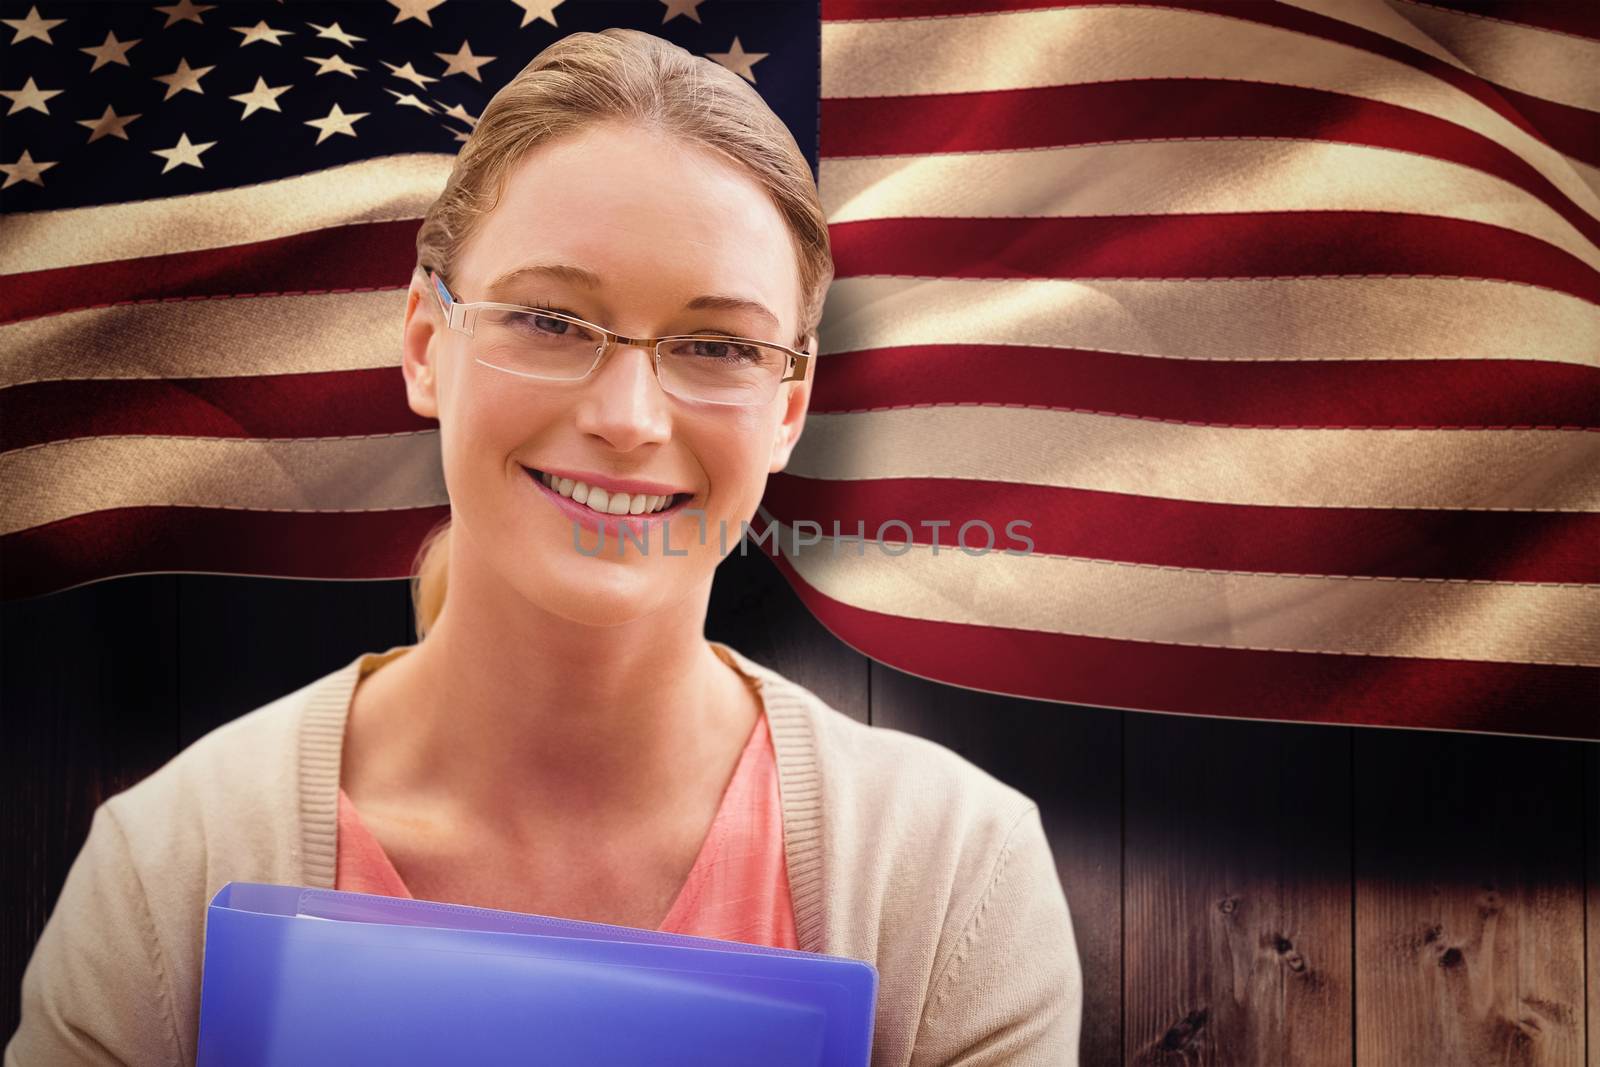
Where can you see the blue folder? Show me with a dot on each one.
(298, 977)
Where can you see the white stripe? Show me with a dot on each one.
(56, 481)
(1219, 319)
(226, 338)
(386, 189)
(1495, 621)
(1080, 45)
(1178, 177)
(1497, 470)
(1542, 63)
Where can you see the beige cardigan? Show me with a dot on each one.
(899, 852)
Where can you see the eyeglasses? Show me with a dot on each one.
(554, 346)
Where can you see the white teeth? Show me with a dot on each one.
(606, 503)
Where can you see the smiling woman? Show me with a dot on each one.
(613, 319)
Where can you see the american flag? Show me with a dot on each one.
(1276, 322)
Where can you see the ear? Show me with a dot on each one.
(795, 404)
(424, 323)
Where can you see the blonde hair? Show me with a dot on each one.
(637, 77)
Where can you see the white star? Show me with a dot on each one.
(464, 62)
(334, 65)
(113, 51)
(182, 153)
(30, 98)
(184, 78)
(335, 33)
(24, 170)
(110, 124)
(262, 96)
(460, 135)
(419, 80)
(456, 111)
(738, 60)
(36, 27)
(544, 9)
(415, 9)
(682, 7)
(409, 101)
(184, 11)
(261, 32)
(336, 121)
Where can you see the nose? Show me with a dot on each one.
(623, 402)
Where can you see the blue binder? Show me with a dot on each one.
(297, 977)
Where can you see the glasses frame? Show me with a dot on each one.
(456, 312)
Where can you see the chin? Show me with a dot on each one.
(600, 592)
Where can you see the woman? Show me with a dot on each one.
(562, 739)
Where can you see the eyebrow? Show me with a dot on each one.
(505, 285)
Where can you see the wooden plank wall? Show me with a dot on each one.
(1242, 892)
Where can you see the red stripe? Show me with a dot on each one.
(1503, 546)
(1275, 244)
(1436, 694)
(1573, 130)
(270, 406)
(146, 540)
(1324, 394)
(1331, 394)
(1159, 108)
(356, 258)
(1281, 16)
(1581, 18)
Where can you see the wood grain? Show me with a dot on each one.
(1067, 758)
(1590, 798)
(1243, 893)
(1469, 901)
(1237, 854)
(247, 641)
(90, 708)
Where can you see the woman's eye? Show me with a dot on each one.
(722, 350)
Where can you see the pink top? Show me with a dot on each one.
(738, 889)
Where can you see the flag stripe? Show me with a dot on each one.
(379, 472)
(338, 544)
(1167, 108)
(219, 338)
(1506, 546)
(1140, 675)
(1126, 40)
(1552, 66)
(267, 406)
(1138, 179)
(338, 259)
(385, 189)
(1524, 470)
(1531, 623)
(1372, 394)
(1580, 20)
(1219, 319)
(1235, 245)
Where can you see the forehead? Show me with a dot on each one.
(653, 216)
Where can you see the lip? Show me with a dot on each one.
(610, 524)
(615, 485)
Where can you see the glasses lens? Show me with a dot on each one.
(722, 370)
(538, 344)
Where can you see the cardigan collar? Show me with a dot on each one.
(791, 719)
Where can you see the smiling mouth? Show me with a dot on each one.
(601, 502)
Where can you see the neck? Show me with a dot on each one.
(510, 711)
